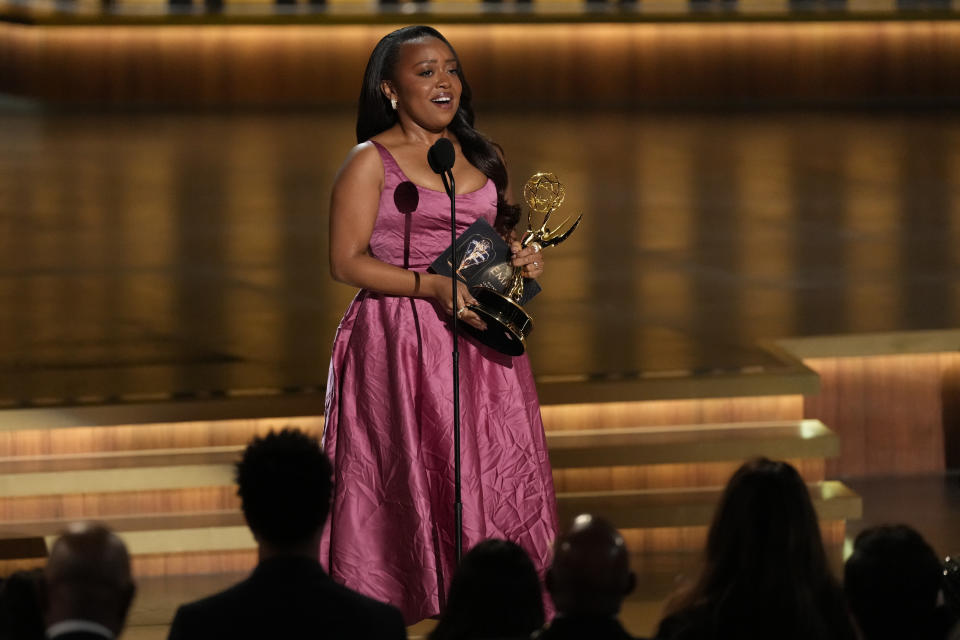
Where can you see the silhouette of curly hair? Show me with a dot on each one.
(284, 481)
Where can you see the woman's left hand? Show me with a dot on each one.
(530, 258)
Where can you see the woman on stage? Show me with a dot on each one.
(389, 413)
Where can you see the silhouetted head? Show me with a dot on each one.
(21, 613)
(88, 578)
(764, 529)
(284, 481)
(494, 594)
(891, 581)
(590, 574)
(765, 572)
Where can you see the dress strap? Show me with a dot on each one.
(389, 163)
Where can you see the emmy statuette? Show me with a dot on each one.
(508, 324)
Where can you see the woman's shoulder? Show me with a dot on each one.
(363, 163)
(390, 139)
(363, 154)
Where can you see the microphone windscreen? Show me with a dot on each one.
(441, 156)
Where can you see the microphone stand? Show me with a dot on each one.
(451, 188)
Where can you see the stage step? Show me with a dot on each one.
(150, 522)
(183, 532)
(139, 458)
(690, 507)
(107, 480)
(188, 540)
(167, 487)
(691, 443)
(568, 449)
(210, 466)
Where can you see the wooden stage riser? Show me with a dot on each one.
(178, 435)
(101, 505)
(638, 541)
(671, 539)
(655, 413)
(894, 414)
(10, 566)
(79, 440)
(166, 564)
(664, 476)
(168, 487)
(583, 63)
(199, 563)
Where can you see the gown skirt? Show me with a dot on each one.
(389, 424)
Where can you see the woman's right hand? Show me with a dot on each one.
(442, 291)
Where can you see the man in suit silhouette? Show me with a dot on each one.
(588, 580)
(284, 484)
(892, 582)
(87, 587)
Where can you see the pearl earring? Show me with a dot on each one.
(393, 103)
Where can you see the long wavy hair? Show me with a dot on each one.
(766, 573)
(375, 115)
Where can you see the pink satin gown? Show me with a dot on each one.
(389, 424)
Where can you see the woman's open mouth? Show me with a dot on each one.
(443, 100)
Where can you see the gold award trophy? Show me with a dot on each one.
(508, 325)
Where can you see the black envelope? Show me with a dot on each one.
(484, 261)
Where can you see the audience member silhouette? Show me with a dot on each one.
(765, 573)
(284, 483)
(87, 586)
(892, 581)
(495, 593)
(588, 580)
(20, 614)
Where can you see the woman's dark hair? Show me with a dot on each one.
(375, 115)
(494, 594)
(765, 573)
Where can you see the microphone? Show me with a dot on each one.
(441, 156)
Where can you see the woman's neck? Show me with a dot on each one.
(414, 134)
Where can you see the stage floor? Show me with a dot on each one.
(154, 254)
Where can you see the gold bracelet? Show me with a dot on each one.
(416, 282)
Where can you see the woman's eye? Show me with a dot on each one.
(453, 71)
(427, 73)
